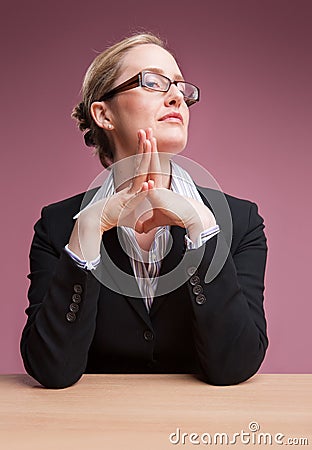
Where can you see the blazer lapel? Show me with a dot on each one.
(172, 259)
(120, 260)
(119, 269)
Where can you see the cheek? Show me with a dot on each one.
(136, 115)
(187, 117)
(132, 102)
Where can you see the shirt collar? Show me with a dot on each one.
(181, 183)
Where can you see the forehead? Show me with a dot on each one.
(147, 56)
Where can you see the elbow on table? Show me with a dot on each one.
(231, 374)
(52, 378)
(55, 381)
(51, 374)
(227, 379)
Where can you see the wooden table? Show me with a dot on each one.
(141, 411)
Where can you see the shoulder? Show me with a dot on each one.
(215, 195)
(233, 215)
(69, 206)
(219, 200)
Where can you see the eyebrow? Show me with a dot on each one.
(176, 77)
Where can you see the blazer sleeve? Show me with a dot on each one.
(229, 325)
(61, 314)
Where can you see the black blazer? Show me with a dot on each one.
(216, 330)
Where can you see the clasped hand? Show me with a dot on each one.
(145, 203)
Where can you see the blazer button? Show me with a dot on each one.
(200, 299)
(194, 280)
(197, 289)
(71, 317)
(148, 335)
(76, 298)
(77, 288)
(191, 271)
(73, 307)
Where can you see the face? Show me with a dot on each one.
(140, 108)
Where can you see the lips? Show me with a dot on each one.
(172, 117)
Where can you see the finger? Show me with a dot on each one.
(157, 220)
(149, 133)
(142, 162)
(135, 197)
(140, 149)
(143, 154)
(155, 166)
(148, 225)
(142, 170)
(139, 226)
(150, 184)
(131, 207)
(145, 186)
(141, 139)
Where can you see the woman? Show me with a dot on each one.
(120, 286)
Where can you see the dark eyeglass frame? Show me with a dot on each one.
(137, 81)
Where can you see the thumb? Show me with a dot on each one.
(148, 225)
(139, 226)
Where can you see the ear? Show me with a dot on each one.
(101, 115)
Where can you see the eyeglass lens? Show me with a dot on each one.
(159, 82)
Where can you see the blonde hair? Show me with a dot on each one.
(98, 80)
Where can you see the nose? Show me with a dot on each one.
(174, 96)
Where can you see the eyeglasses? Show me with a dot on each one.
(156, 82)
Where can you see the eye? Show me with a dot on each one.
(153, 81)
(153, 84)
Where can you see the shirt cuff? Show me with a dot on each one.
(202, 238)
(83, 264)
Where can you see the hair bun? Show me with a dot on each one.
(80, 114)
(88, 138)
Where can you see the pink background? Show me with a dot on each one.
(251, 130)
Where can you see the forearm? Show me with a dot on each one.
(228, 320)
(56, 340)
(85, 240)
